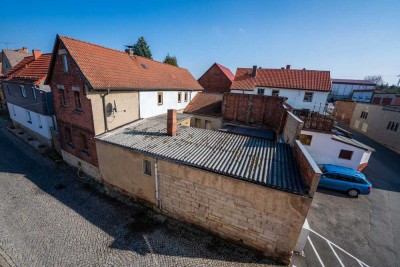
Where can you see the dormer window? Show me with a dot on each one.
(65, 63)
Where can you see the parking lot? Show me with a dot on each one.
(366, 228)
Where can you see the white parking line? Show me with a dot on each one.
(315, 251)
(330, 243)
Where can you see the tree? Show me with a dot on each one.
(141, 48)
(375, 78)
(171, 60)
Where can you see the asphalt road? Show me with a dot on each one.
(49, 217)
(367, 227)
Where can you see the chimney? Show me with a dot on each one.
(171, 122)
(36, 54)
(23, 50)
(254, 72)
(129, 52)
(288, 67)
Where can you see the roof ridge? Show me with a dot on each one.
(282, 69)
(159, 62)
(108, 48)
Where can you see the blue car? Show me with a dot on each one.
(344, 179)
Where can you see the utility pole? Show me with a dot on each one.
(398, 83)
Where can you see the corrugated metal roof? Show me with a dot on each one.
(252, 159)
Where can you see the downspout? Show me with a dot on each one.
(48, 110)
(139, 104)
(103, 99)
(156, 183)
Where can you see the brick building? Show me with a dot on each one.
(97, 89)
(217, 79)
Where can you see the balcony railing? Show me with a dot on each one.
(315, 120)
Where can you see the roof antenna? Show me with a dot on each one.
(7, 43)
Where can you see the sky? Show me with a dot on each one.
(352, 38)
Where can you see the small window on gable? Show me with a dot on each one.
(345, 154)
(160, 98)
(85, 146)
(305, 139)
(62, 97)
(34, 93)
(146, 167)
(65, 63)
(260, 91)
(179, 97)
(275, 92)
(186, 96)
(78, 104)
(23, 92)
(308, 96)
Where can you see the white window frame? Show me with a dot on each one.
(23, 92)
(275, 90)
(34, 93)
(145, 172)
(311, 99)
(260, 90)
(65, 63)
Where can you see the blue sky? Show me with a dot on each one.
(350, 38)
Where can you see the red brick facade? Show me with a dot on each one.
(69, 116)
(344, 111)
(254, 110)
(215, 80)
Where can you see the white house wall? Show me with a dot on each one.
(148, 102)
(295, 98)
(324, 150)
(19, 115)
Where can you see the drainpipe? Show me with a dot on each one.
(103, 99)
(156, 182)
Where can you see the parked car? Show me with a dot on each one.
(344, 179)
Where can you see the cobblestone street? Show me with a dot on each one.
(49, 217)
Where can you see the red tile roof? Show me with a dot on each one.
(108, 68)
(226, 71)
(313, 80)
(208, 104)
(30, 70)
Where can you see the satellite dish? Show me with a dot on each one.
(109, 109)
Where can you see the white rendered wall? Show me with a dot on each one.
(148, 102)
(21, 117)
(295, 98)
(324, 150)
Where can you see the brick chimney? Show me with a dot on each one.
(254, 72)
(36, 54)
(171, 122)
(288, 67)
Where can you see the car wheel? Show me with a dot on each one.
(353, 193)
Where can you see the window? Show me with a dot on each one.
(160, 98)
(308, 96)
(28, 117)
(329, 175)
(62, 97)
(364, 114)
(78, 104)
(275, 92)
(65, 63)
(345, 154)
(39, 119)
(147, 167)
(186, 96)
(68, 136)
(393, 126)
(34, 93)
(85, 146)
(208, 125)
(260, 91)
(305, 139)
(179, 97)
(197, 123)
(22, 88)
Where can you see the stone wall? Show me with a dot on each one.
(256, 216)
(344, 111)
(292, 129)
(253, 110)
(308, 168)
